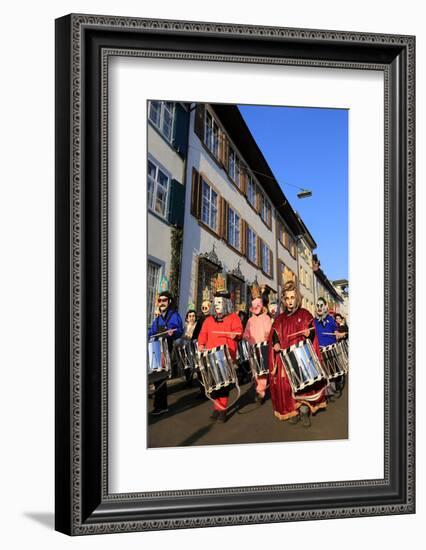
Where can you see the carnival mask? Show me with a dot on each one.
(256, 306)
(205, 307)
(273, 308)
(321, 308)
(219, 305)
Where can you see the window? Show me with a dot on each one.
(251, 245)
(153, 278)
(158, 189)
(251, 191)
(206, 278)
(234, 232)
(266, 259)
(209, 201)
(236, 290)
(161, 115)
(211, 136)
(265, 210)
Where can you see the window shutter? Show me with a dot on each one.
(243, 237)
(196, 194)
(271, 262)
(243, 180)
(224, 150)
(259, 251)
(180, 130)
(199, 120)
(223, 229)
(176, 203)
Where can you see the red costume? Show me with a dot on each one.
(283, 401)
(209, 338)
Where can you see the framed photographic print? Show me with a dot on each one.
(234, 274)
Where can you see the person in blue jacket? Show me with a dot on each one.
(168, 323)
(327, 331)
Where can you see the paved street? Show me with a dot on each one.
(188, 422)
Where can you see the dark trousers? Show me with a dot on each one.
(160, 395)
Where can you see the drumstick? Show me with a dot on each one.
(225, 332)
(165, 332)
(334, 333)
(300, 332)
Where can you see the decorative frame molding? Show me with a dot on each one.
(84, 44)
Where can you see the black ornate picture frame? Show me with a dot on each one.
(84, 44)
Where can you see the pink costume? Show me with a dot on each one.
(257, 330)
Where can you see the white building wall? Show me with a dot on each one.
(306, 284)
(159, 230)
(198, 241)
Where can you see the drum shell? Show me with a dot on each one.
(302, 366)
(158, 357)
(259, 358)
(335, 360)
(216, 369)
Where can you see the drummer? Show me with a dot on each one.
(256, 331)
(328, 334)
(294, 325)
(222, 327)
(169, 324)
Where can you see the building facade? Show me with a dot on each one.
(232, 223)
(167, 143)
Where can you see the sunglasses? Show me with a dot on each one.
(162, 300)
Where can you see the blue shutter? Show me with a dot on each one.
(176, 203)
(180, 130)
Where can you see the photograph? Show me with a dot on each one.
(247, 273)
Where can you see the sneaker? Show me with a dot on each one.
(158, 412)
(221, 417)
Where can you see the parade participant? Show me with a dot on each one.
(325, 325)
(342, 326)
(292, 326)
(190, 324)
(328, 334)
(205, 312)
(257, 330)
(273, 308)
(222, 327)
(168, 323)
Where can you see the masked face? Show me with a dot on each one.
(205, 307)
(218, 306)
(163, 303)
(256, 306)
(290, 300)
(321, 308)
(273, 308)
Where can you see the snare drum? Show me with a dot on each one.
(159, 357)
(302, 366)
(186, 353)
(243, 351)
(335, 360)
(216, 368)
(259, 358)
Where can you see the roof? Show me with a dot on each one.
(234, 123)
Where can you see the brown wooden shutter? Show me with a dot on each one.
(243, 180)
(243, 237)
(271, 262)
(200, 120)
(259, 251)
(196, 194)
(224, 150)
(224, 211)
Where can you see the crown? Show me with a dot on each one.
(220, 284)
(164, 284)
(190, 306)
(206, 294)
(255, 291)
(242, 306)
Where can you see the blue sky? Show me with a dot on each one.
(308, 147)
